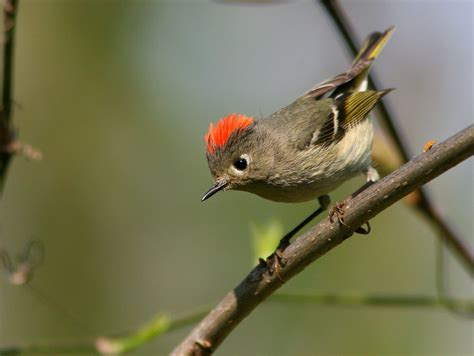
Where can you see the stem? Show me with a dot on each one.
(6, 133)
(161, 324)
(359, 299)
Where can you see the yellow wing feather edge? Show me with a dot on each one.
(356, 106)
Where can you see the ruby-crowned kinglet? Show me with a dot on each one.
(306, 149)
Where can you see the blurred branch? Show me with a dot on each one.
(21, 271)
(51, 348)
(163, 324)
(160, 325)
(423, 202)
(9, 144)
(358, 299)
(6, 131)
(260, 284)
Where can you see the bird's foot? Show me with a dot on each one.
(275, 262)
(337, 214)
(362, 231)
(272, 265)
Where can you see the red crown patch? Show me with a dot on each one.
(218, 135)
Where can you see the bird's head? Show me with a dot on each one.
(237, 154)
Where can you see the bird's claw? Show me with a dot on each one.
(362, 231)
(275, 262)
(337, 213)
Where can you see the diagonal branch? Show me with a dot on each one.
(258, 285)
(424, 204)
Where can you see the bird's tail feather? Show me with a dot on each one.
(371, 48)
(373, 45)
(355, 79)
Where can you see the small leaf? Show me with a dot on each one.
(265, 238)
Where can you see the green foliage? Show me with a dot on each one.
(265, 238)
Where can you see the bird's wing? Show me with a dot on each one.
(299, 123)
(307, 122)
(348, 110)
(352, 79)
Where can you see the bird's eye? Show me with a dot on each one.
(240, 164)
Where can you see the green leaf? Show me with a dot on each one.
(265, 238)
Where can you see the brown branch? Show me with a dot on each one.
(7, 135)
(423, 204)
(258, 285)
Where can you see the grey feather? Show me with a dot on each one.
(301, 120)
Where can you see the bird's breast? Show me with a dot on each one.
(307, 174)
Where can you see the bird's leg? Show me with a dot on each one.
(276, 260)
(324, 202)
(372, 177)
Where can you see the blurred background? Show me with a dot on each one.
(118, 95)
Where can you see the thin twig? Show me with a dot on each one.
(260, 284)
(57, 307)
(9, 10)
(51, 348)
(162, 324)
(424, 204)
(6, 131)
(390, 301)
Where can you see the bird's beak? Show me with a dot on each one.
(218, 185)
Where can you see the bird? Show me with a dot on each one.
(308, 148)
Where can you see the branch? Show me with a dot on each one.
(360, 299)
(160, 325)
(424, 204)
(206, 337)
(6, 130)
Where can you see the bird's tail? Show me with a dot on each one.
(373, 45)
(371, 48)
(355, 79)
